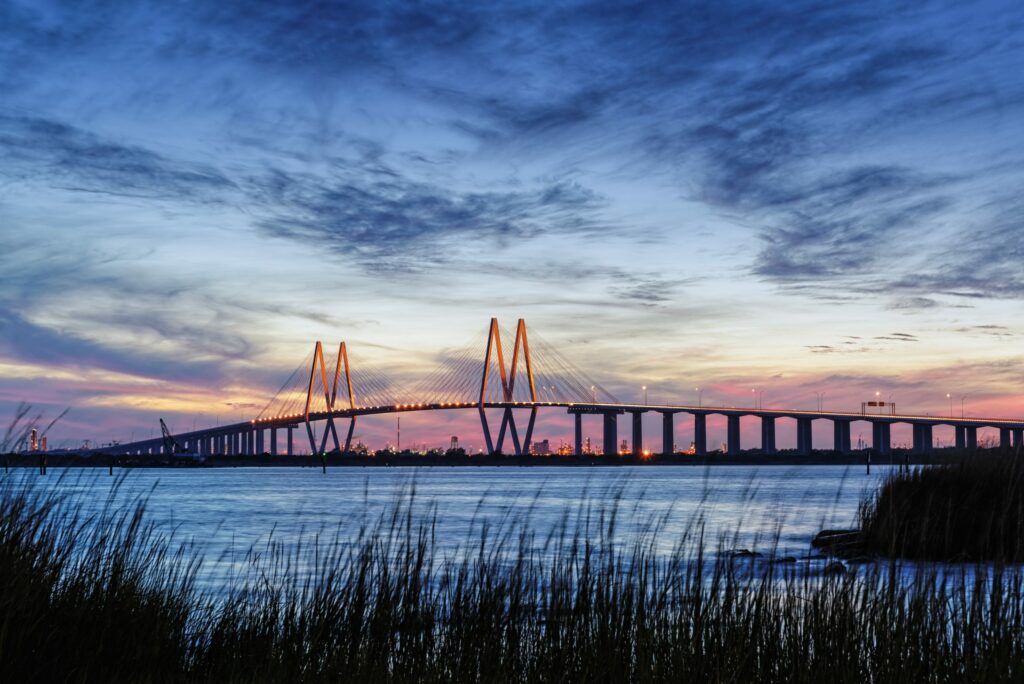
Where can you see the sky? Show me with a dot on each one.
(793, 198)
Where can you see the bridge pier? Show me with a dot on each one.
(700, 434)
(804, 441)
(972, 438)
(922, 439)
(733, 435)
(961, 436)
(1004, 438)
(881, 441)
(291, 450)
(611, 433)
(638, 433)
(768, 434)
(841, 436)
(667, 437)
(577, 434)
(1018, 437)
(273, 441)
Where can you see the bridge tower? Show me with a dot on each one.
(330, 397)
(508, 380)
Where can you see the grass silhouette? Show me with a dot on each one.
(106, 596)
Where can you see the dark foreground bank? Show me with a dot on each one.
(108, 599)
(969, 510)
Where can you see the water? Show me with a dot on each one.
(228, 511)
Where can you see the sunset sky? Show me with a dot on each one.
(790, 197)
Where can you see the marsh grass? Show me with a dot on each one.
(107, 597)
(964, 512)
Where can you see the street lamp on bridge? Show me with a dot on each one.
(644, 388)
(700, 394)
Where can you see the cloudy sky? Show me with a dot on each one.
(792, 197)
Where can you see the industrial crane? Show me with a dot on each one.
(171, 445)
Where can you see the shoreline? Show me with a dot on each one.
(470, 461)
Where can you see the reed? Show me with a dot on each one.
(968, 511)
(107, 597)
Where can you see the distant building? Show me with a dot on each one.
(34, 440)
(42, 444)
(455, 443)
(541, 448)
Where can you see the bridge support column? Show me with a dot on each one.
(667, 433)
(972, 438)
(700, 434)
(291, 447)
(638, 433)
(841, 436)
(611, 434)
(768, 434)
(804, 441)
(1004, 438)
(881, 438)
(961, 436)
(1018, 437)
(577, 434)
(273, 441)
(922, 439)
(261, 446)
(733, 435)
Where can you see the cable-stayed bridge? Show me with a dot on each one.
(328, 393)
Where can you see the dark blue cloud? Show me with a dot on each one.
(29, 342)
(65, 156)
(387, 221)
(758, 110)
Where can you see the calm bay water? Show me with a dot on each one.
(227, 511)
